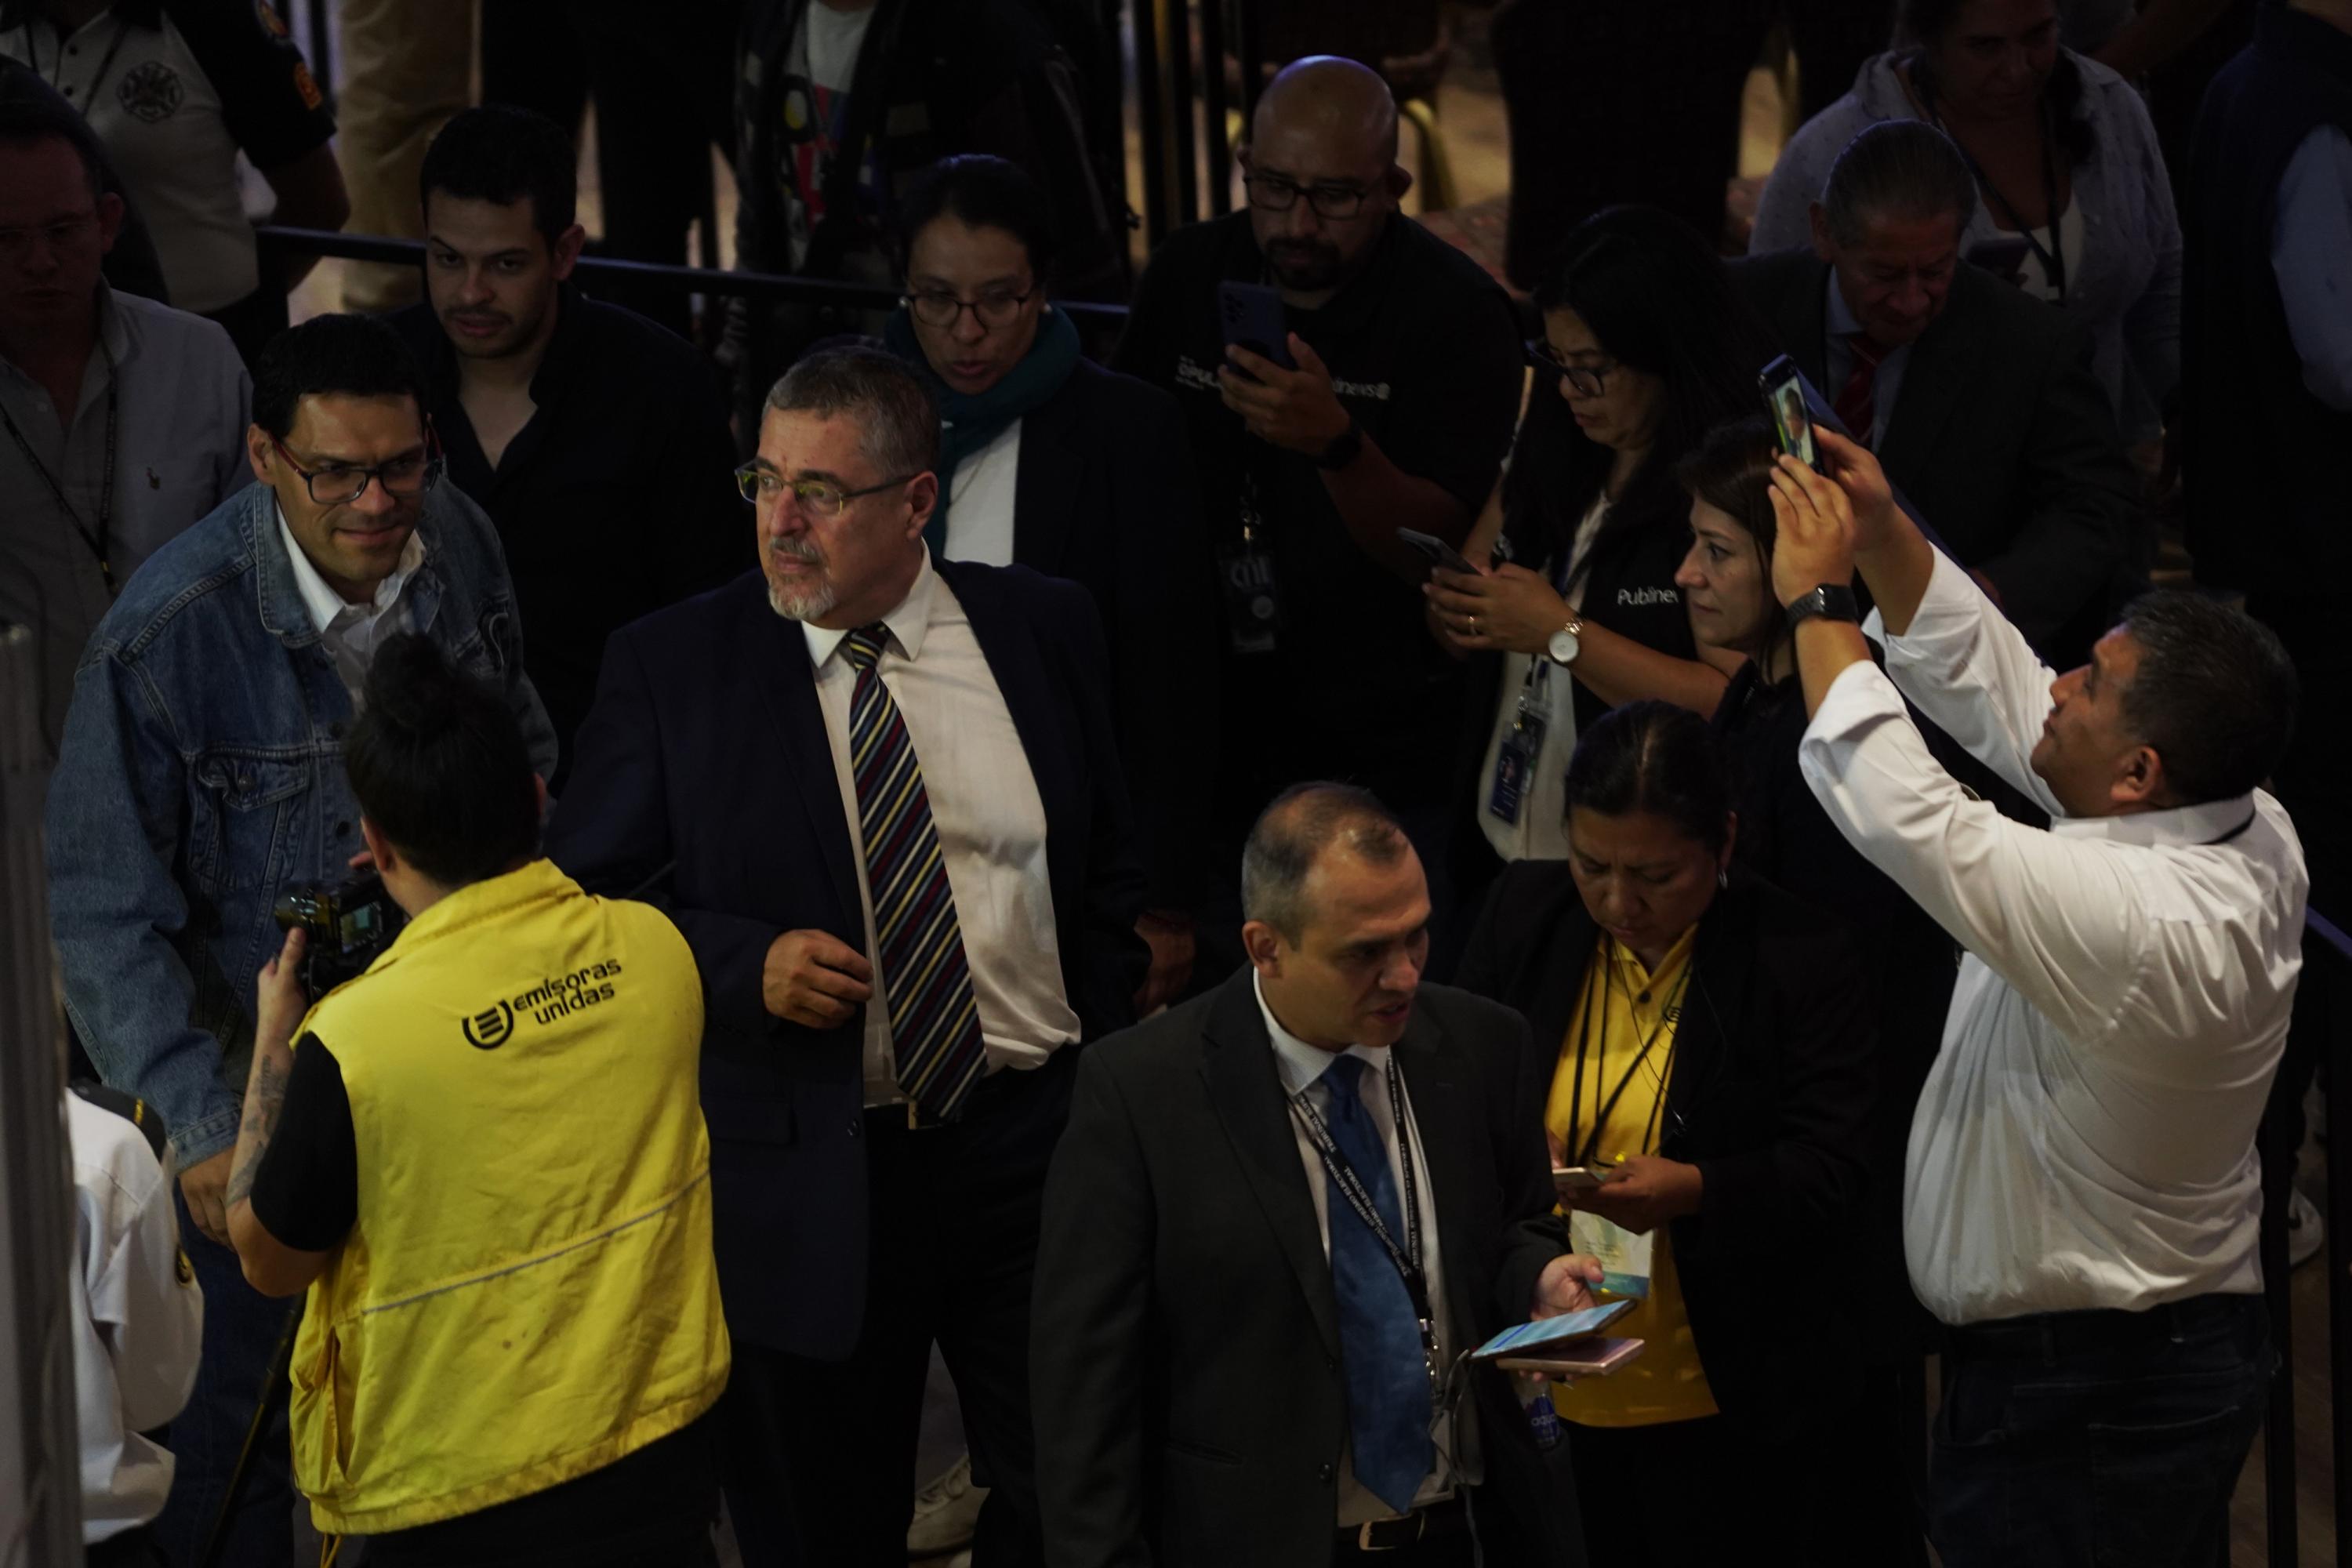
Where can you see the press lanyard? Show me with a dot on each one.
(1343, 1177)
(1666, 1015)
(96, 542)
(2053, 259)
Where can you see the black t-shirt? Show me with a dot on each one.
(306, 1192)
(1425, 353)
(617, 500)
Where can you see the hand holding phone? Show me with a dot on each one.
(1584, 1178)
(1439, 552)
(1252, 318)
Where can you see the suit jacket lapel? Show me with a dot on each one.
(1446, 1121)
(1246, 1088)
(1045, 485)
(1942, 366)
(787, 687)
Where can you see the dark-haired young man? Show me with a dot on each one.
(2083, 1195)
(442, 1140)
(596, 440)
(201, 775)
(121, 421)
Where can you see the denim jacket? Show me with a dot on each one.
(201, 775)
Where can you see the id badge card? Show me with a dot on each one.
(1514, 764)
(1253, 607)
(1624, 1256)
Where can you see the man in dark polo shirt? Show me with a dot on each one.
(1397, 418)
(596, 441)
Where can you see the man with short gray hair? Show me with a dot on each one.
(882, 800)
(1282, 1213)
(1978, 398)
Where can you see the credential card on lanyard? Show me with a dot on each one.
(1624, 1256)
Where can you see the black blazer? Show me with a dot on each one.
(2000, 435)
(1185, 1352)
(1105, 496)
(1769, 1097)
(706, 785)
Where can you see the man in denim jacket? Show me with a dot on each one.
(201, 775)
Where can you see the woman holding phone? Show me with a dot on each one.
(1708, 1041)
(1645, 348)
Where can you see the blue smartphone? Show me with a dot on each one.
(1528, 1338)
(1252, 318)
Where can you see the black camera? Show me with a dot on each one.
(347, 924)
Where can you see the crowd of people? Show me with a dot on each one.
(1198, 881)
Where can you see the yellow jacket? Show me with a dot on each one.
(527, 1294)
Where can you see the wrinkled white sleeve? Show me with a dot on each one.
(1974, 676)
(2055, 917)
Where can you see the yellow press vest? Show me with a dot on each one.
(527, 1294)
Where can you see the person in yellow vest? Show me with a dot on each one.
(484, 1159)
(1708, 1041)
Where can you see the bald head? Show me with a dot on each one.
(1334, 99)
(1321, 163)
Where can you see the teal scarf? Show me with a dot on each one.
(968, 421)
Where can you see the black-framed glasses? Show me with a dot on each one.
(939, 308)
(339, 484)
(1585, 382)
(1272, 193)
(763, 486)
(16, 244)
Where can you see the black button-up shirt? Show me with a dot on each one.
(617, 498)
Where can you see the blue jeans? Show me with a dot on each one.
(2097, 1439)
(241, 1331)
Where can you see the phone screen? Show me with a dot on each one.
(1524, 1339)
(1793, 423)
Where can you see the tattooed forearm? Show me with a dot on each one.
(265, 1098)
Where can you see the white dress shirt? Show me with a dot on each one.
(138, 1320)
(180, 393)
(991, 823)
(2085, 1139)
(1302, 1067)
(353, 631)
(980, 500)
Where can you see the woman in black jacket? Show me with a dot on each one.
(1049, 461)
(1710, 1043)
(1645, 347)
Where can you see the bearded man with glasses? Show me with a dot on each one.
(881, 795)
(201, 774)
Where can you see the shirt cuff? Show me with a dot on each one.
(212, 1134)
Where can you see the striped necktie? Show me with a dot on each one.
(934, 1021)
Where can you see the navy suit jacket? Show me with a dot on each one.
(704, 784)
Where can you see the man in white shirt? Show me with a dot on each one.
(2083, 1196)
(883, 801)
(121, 421)
(138, 1319)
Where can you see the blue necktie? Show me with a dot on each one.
(1380, 1336)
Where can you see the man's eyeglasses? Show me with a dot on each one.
(1272, 193)
(339, 484)
(1585, 382)
(764, 487)
(937, 308)
(16, 244)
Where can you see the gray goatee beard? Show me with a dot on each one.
(807, 604)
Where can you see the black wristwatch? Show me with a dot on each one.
(1831, 602)
(1344, 448)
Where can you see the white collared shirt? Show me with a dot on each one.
(2085, 1139)
(981, 501)
(353, 631)
(1302, 1067)
(138, 1320)
(990, 818)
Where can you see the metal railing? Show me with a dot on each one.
(278, 242)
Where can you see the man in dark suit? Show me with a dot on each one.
(1978, 399)
(882, 800)
(1281, 1214)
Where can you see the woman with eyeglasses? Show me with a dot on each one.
(1645, 347)
(1707, 1041)
(1049, 461)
